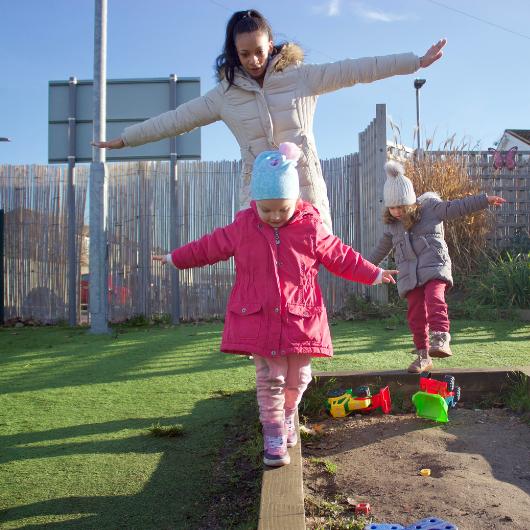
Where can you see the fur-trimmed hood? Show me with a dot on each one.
(429, 195)
(289, 54)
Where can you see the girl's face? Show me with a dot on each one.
(253, 50)
(396, 211)
(276, 212)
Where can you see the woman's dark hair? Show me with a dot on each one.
(240, 22)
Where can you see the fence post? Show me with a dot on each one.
(174, 228)
(372, 158)
(380, 160)
(1, 267)
(72, 255)
(99, 279)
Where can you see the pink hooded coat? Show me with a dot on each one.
(276, 307)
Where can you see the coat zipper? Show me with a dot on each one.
(276, 236)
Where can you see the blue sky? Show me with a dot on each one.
(476, 91)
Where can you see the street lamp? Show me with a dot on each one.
(418, 83)
(4, 139)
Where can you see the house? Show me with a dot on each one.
(519, 138)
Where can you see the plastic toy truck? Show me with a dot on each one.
(436, 397)
(341, 403)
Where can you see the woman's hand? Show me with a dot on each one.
(387, 276)
(493, 200)
(115, 143)
(433, 54)
(162, 259)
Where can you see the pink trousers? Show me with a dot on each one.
(427, 311)
(280, 383)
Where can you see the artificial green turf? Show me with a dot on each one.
(74, 417)
(75, 413)
(380, 345)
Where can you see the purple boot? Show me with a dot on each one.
(275, 446)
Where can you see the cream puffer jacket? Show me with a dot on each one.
(281, 111)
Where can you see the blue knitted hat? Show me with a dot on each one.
(274, 174)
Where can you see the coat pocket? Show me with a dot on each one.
(244, 320)
(438, 249)
(304, 323)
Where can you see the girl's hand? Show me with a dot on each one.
(495, 201)
(115, 143)
(387, 276)
(433, 54)
(162, 259)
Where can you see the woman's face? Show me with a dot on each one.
(276, 212)
(253, 50)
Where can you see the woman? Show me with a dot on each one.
(266, 95)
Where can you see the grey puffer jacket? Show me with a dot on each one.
(281, 111)
(421, 253)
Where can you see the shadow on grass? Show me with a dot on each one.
(50, 358)
(191, 471)
(399, 336)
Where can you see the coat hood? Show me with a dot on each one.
(429, 195)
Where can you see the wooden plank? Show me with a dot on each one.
(282, 494)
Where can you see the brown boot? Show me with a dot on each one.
(423, 363)
(440, 344)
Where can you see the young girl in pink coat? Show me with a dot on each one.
(275, 311)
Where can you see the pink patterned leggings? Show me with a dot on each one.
(280, 383)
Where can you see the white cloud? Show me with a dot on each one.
(331, 8)
(376, 14)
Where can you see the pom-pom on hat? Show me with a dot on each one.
(274, 174)
(398, 189)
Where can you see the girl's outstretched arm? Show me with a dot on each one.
(381, 249)
(217, 246)
(460, 207)
(342, 260)
(494, 200)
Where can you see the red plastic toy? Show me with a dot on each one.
(445, 388)
(363, 508)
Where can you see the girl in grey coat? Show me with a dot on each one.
(267, 95)
(414, 228)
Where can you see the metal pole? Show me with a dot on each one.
(98, 284)
(1, 267)
(72, 255)
(174, 228)
(418, 116)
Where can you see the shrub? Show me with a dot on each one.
(359, 308)
(504, 283)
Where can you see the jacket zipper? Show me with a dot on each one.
(276, 236)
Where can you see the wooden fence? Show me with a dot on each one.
(35, 234)
(34, 199)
